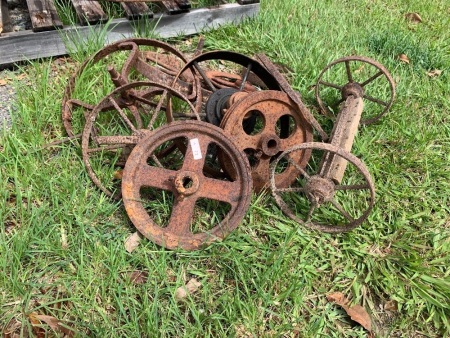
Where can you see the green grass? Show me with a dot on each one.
(270, 277)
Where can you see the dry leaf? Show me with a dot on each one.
(391, 306)
(183, 291)
(403, 58)
(21, 76)
(434, 72)
(53, 322)
(3, 82)
(138, 277)
(413, 17)
(132, 242)
(356, 312)
(118, 174)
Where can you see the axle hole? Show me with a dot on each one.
(187, 182)
(272, 144)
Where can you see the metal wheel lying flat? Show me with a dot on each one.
(315, 199)
(355, 74)
(174, 202)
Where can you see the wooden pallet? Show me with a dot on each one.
(44, 16)
(28, 45)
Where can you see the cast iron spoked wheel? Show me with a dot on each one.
(249, 76)
(194, 219)
(115, 126)
(317, 201)
(268, 139)
(355, 75)
(122, 62)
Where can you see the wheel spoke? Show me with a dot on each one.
(204, 76)
(155, 177)
(116, 140)
(122, 114)
(310, 212)
(341, 210)
(300, 169)
(106, 148)
(182, 215)
(373, 99)
(194, 160)
(218, 190)
(352, 187)
(349, 71)
(369, 80)
(244, 78)
(299, 189)
(329, 84)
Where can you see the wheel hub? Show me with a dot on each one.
(319, 190)
(186, 183)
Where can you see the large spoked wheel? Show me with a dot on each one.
(118, 122)
(315, 199)
(174, 202)
(360, 76)
(256, 125)
(125, 61)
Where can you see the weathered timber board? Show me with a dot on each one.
(43, 15)
(5, 22)
(172, 7)
(89, 12)
(136, 10)
(21, 46)
(183, 4)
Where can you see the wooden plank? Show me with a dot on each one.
(184, 4)
(43, 14)
(246, 2)
(136, 10)
(5, 22)
(172, 7)
(89, 12)
(20, 46)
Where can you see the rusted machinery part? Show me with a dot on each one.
(229, 80)
(265, 141)
(188, 185)
(293, 95)
(352, 87)
(94, 142)
(163, 73)
(252, 72)
(319, 191)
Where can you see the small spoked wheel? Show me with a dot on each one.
(174, 201)
(316, 199)
(118, 122)
(360, 76)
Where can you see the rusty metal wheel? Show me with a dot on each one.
(355, 75)
(118, 122)
(265, 111)
(174, 202)
(117, 64)
(316, 200)
(218, 85)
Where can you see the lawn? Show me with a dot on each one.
(62, 251)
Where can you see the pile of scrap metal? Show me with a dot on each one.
(161, 129)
